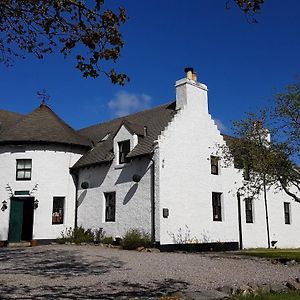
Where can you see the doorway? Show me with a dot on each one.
(21, 219)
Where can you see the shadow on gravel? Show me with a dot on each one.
(54, 263)
(117, 290)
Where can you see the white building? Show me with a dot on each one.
(155, 170)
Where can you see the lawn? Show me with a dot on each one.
(293, 295)
(284, 254)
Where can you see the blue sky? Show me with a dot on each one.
(242, 64)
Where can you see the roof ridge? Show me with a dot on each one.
(130, 115)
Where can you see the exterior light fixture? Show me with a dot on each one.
(4, 205)
(136, 178)
(85, 185)
(36, 203)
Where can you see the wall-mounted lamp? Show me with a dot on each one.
(85, 185)
(36, 203)
(136, 178)
(4, 205)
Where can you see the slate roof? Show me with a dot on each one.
(7, 119)
(155, 120)
(41, 126)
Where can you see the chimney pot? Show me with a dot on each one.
(189, 72)
(194, 76)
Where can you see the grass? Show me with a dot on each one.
(292, 295)
(286, 254)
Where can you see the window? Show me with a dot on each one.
(287, 213)
(58, 210)
(124, 149)
(110, 207)
(214, 165)
(246, 173)
(249, 210)
(23, 169)
(217, 206)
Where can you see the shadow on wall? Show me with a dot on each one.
(81, 198)
(96, 176)
(139, 167)
(130, 193)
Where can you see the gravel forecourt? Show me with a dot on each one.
(95, 272)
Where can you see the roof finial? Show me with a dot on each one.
(43, 96)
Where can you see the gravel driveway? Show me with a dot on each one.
(90, 272)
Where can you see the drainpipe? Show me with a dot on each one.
(240, 221)
(266, 210)
(75, 176)
(152, 200)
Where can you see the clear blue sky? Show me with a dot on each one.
(242, 64)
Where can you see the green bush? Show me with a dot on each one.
(107, 240)
(77, 235)
(135, 238)
(99, 235)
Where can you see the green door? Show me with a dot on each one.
(16, 220)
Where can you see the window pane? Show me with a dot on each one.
(214, 165)
(287, 214)
(110, 206)
(27, 164)
(20, 164)
(124, 149)
(27, 174)
(58, 210)
(249, 210)
(20, 174)
(23, 169)
(217, 208)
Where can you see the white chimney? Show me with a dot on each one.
(189, 92)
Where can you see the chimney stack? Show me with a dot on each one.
(190, 92)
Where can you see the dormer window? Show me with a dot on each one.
(124, 149)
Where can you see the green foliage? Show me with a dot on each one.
(135, 238)
(88, 29)
(107, 240)
(291, 295)
(77, 235)
(99, 235)
(269, 163)
(286, 254)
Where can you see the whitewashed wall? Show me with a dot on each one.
(50, 170)
(186, 183)
(133, 200)
(286, 235)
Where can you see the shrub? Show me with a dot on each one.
(107, 240)
(135, 238)
(77, 235)
(99, 235)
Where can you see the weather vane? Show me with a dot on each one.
(43, 96)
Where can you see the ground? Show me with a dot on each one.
(94, 272)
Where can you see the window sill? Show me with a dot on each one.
(121, 166)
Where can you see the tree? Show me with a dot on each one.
(249, 7)
(42, 27)
(269, 162)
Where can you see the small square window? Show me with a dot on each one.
(110, 207)
(58, 210)
(23, 169)
(124, 149)
(249, 210)
(217, 206)
(287, 213)
(214, 165)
